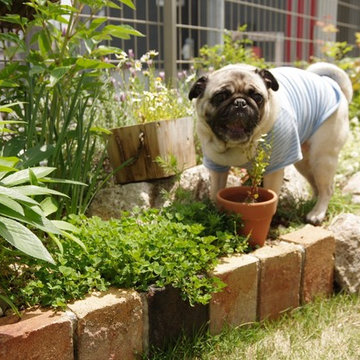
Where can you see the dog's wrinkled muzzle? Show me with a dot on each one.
(236, 121)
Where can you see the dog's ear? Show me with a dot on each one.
(198, 88)
(269, 79)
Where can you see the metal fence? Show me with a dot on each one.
(282, 31)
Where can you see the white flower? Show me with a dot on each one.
(138, 65)
(190, 78)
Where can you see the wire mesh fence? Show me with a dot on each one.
(282, 31)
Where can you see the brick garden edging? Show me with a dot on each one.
(121, 324)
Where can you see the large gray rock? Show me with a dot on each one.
(295, 187)
(111, 201)
(353, 187)
(346, 229)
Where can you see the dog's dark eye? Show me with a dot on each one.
(219, 97)
(257, 98)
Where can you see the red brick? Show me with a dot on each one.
(280, 275)
(109, 326)
(39, 335)
(318, 270)
(237, 303)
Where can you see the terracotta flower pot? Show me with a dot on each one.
(256, 216)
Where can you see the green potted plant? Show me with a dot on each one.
(149, 120)
(255, 204)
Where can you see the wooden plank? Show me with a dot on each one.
(145, 142)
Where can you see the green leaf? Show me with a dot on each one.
(7, 108)
(13, 38)
(22, 176)
(36, 154)
(8, 84)
(32, 216)
(106, 50)
(93, 64)
(11, 51)
(33, 178)
(100, 130)
(31, 190)
(8, 163)
(49, 206)
(62, 181)
(4, 122)
(14, 194)
(64, 225)
(97, 22)
(7, 131)
(11, 304)
(14, 19)
(36, 69)
(129, 3)
(112, 5)
(23, 239)
(57, 242)
(74, 239)
(9, 70)
(57, 74)
(12, 204)
(121, 31)
(44, 44)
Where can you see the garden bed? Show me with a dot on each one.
(122, 324)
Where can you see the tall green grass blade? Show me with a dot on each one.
(11, 304)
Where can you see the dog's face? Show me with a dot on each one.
(234, 101)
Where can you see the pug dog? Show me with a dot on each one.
(303, 114)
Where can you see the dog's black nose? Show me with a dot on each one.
(240, 103)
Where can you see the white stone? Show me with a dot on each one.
(346, 229)
(295, 187)
(353, 187)
(111, 201)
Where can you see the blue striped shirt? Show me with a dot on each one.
(306, 102)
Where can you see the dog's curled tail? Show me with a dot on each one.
(335, 73)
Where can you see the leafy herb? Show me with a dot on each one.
(258, 164)
(176, 246)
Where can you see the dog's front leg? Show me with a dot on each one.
(217, 182)
(274, 181)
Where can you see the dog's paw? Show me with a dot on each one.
(315, 218)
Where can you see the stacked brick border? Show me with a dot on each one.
(122, 324)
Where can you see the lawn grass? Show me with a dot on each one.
(325, 329)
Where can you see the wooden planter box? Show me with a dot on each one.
(145, 142)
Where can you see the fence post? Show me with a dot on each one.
(279, 48)
(170, 40)
(325, 10)
(215, 20)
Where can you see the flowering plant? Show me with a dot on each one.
(136, 93)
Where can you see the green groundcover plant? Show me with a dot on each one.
(176, 246)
